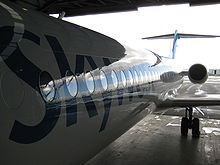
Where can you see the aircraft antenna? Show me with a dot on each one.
(61, 15)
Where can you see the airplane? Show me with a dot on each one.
(67, 91)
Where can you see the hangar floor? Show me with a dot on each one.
(156, 140)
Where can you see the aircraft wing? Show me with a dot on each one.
(181, 35)
(192, 101)
(84, 7)
(194, 95)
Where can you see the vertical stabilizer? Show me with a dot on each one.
(175, 38)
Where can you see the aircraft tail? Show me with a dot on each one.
(175, 36)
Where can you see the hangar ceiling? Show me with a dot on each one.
(84, 7)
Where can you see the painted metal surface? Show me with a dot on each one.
(68, 112)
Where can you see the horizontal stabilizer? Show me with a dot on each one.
(181, 35)
(175, 36)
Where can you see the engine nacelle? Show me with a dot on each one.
(198, 74)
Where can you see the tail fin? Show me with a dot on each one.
(175, 36)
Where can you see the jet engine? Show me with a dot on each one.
(198, 74)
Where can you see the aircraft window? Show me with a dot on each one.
(123, 78)
(130, 78)
(141, 79)
(151, 76)
(145, 78)
(71, 83)
(114, 79)
(161, 72)
(144, 72)
(148, 76)
(47, 86)
(136, 76)
(154, 75)
(90, 82)
(157, 73)
(103, 80)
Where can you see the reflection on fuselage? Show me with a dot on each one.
(108, 78)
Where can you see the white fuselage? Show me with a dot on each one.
(67, 91)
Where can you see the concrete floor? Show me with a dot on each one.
(156, 140)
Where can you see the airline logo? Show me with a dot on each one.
(26, 70)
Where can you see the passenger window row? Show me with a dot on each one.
(88, 83)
